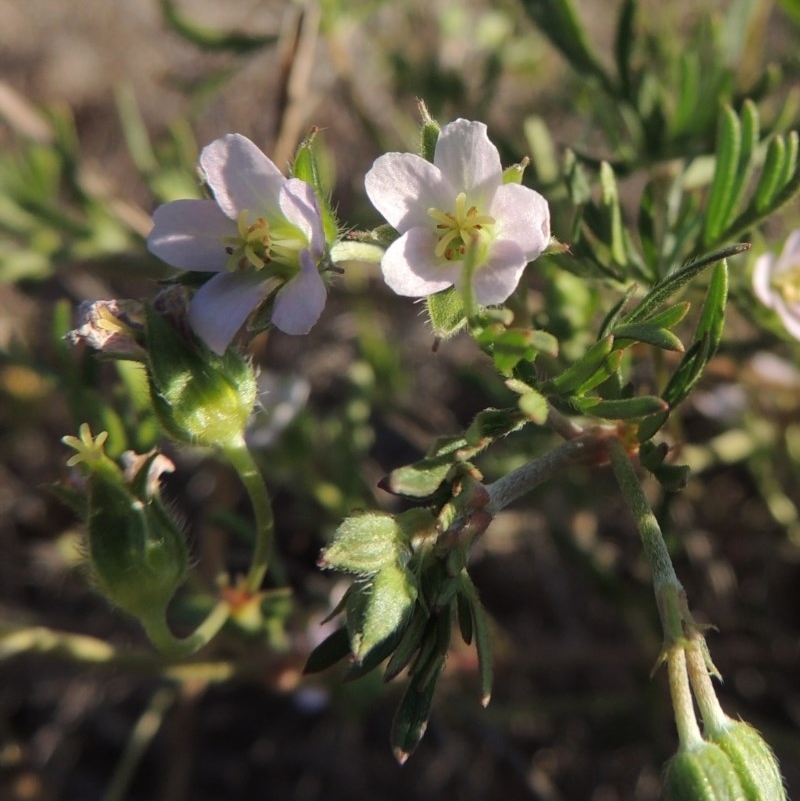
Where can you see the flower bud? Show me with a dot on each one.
(199, 397)
(753, 760)
(703, 773)
(136, 552)
(364, 544)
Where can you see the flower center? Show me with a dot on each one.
(460, 228)
(788, 284)
(259, 244)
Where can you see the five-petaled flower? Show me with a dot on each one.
(456, 203)
(262, 234)
(776, 283)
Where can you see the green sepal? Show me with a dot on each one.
(364, 544)
(331, 650)
(753, 760)
(429, 131)
(622, 409)
(446, 312)
(306, 168)
(136, 552)
(515, 173)
(704, 773)
(199, 397)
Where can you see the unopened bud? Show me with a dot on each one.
(753, 760)
(703, 773)
(136, 551)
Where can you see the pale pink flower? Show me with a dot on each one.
(457, 202)
(262, 234)
(776, 283)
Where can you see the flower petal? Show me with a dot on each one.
(299, 207)
(188, 234)
(790, 255)
(523, 217)
(241, 176)
(469, 160)
(403, 186)
(300, 301)
(498, 278)
(410, 267)
(762, 279)
(789, 314)
(222, 304)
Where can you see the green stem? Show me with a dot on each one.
(585, 447)
(714, 718)
(160, 634)
(670, 596)
(685, 718)
(264, 552)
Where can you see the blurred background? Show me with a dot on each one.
(103, 109)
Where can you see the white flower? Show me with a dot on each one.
(261, 233)
(776, 283)
(441, 209)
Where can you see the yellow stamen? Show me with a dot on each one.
(459, 228)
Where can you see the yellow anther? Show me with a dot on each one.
(458, 228)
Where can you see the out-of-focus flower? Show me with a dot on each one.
(262, 234)
(457, 202)
(110, 326)
(776, 283)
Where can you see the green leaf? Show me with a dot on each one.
(558, 20)
(210, 39)
(534, 406)
(650, 334)
(377, 609)
(723, 187)
(584, 368)
(613, 230)
(411, 641)
(331, 650)
(446, 312)
(667, 287)
(411, 718)
(622, 409)
(623, 44)
(670, 316)
(769, 184)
